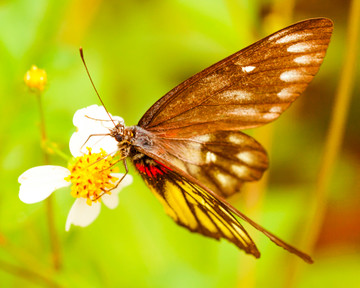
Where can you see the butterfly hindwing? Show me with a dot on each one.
(191, 206)
(222, 160)
(247, 89)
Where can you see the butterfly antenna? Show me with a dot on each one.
(97, 93)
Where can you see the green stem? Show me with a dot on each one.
(337, 124)
(23, 256)
(255, 194)
(43, 129)
(333, 141)
(55, 150)
(27, 274)
(54, 240)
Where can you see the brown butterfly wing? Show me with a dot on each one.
(222, 160)
(247, 89)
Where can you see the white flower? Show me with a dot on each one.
(92, 177)
(95, 122)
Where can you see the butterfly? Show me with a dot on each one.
(188, 147)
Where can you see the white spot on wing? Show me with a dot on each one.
(286, 93)
(242, 111)
(238, 95)
(307, 59)
(235, 139)
(188, 152)
(239, 170)
(179, 164)
(246, 157)
(278, 34)
(222, 178)
(210, 157)
(300, 47)
(248, 69)
(291, 76)
(203, 138)
(292, 37)
(270, 116)
(275, 109)
(193, 169)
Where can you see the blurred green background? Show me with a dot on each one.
(137, 51)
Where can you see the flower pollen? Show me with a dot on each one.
(90, 176)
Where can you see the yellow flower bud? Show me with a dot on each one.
(35, 78)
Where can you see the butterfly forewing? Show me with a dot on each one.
(247, 89)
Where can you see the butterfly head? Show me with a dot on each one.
(124, 136)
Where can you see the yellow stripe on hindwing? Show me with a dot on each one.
(194, 208)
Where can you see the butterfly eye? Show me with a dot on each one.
(119, 137)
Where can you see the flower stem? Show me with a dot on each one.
(255, 194)
(27, 274)
(54, 240)
(42, 129)
(337, 122)
(53, 148)
(23, 256)
(334, 138)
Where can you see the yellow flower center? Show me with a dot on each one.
(35, 78)
(90, 176)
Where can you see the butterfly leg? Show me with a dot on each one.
(118, 182)
(122, 178)
(96, 119)
(102, 158)
(92, 135)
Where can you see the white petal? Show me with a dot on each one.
(76, 144)
(79, 141)
(81, 214)
(125, 182)
(112, 201)
(39, 182)
(90, 126)
(80, 119)
(94, 115)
